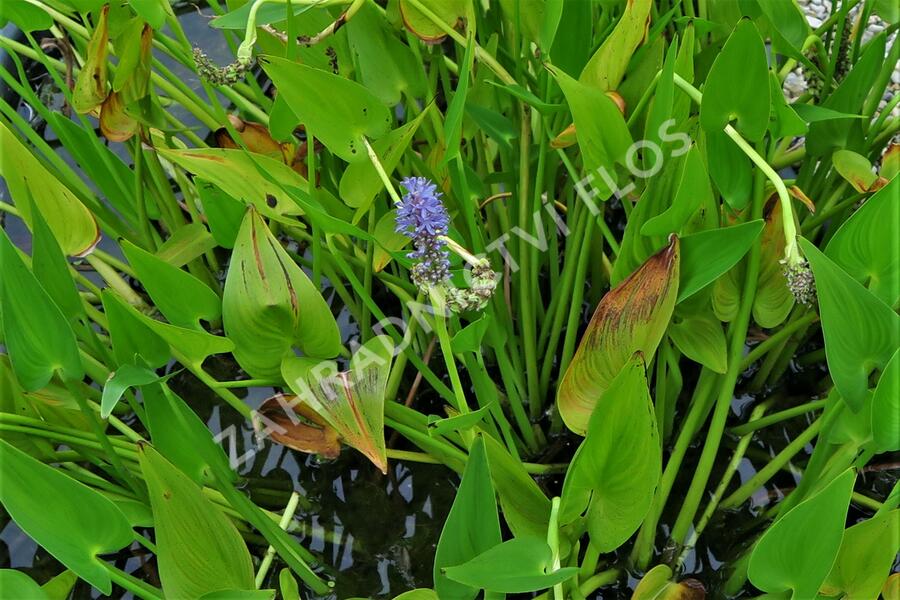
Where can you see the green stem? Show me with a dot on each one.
(778, 417)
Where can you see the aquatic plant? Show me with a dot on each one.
(591, 260)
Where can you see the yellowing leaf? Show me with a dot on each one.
(91, 86)
(607, 67)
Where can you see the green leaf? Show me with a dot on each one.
(240, 595)
(855, 168)
(269, 304)
(773, 301)
(460, 422)
(886, 408)
(729, 168)
(72, 224)
(418, 594)
(448, 11)
(37, 336)
(468, 339)
(472, 526)
(605, 69)
(385, 65)
(630, 318)
(18, 585)
(737, 86)
(494, 125)
(266, 14)
(657, 584)
(706, 255)
(519, 565)
(693, 190)
(787, 20)
(352, 402)
(784, 120)
(455, 110)
(180, 297)
(152, 11)
(223, 213)
(861, 332)
(199, 549)
(287, 585)
(130, 336)
(99, 528)
(27, 17)
(526, 509)
(864, 561)
(360, 181)
(120, 380)
(702, 340)
(187, 243)
(611, 487)
(389, 240)
(796, 553)
(338, 111)
(859, 244)
(603, 136)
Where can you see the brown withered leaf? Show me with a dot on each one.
(256, 138)
(630, 318)
(303, 430)
(115, 123)
(565, 138)
(773, 301)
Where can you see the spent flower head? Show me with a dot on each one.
(800, 281)
(421, 216)
(215, 75)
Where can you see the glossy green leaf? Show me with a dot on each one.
(99, 528)
(868, 551)
(787, 20)
(130, 335)
(603, 136)
(223, 213)
(855, 168)
(886, 408)
(630, 318)
(456, 109)
(612, 488)
(360, 181)
(784, 120)
(270, 305)
(152, 11)
(352, 402)
(472, 526)
(729, 168)
(737, 87)
(36, 334)
(287, 585)
(526, 509)
(266, 14)
(19, 586)
(606, 68)
(120, 380)
(519, 565)
(693, 190)
(180, 297)
(468, 339)
(27, 17)
(859, 245)
(797, 551)
(199, 549)
(188, 345)
(91, 86)
(861, 332)
(72, 224)
(60, 586)
(338, 111)
(657, 584)
(702, 340)
(706, 255)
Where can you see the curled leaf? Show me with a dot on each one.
(91, 86)
(630, 318)
(294, 424)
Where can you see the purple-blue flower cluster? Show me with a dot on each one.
(421, 216)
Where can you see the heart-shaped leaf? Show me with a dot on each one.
(864, 561)
(737, 86)
(693, 190)
(526, 509)
(180, 297)
(796, 553)
(857, 170)
(701, 338)
(270, 305)
(36, 334)
(886, 408)
(630, 318)
(472, 526)
(612, 488)
(859, 244)
(352, 402)
(338, 111)
(71, 521)
(520, 565)
(861, 332)
(706, 255)
(198, 548)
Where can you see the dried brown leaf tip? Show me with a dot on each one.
(291, 423)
